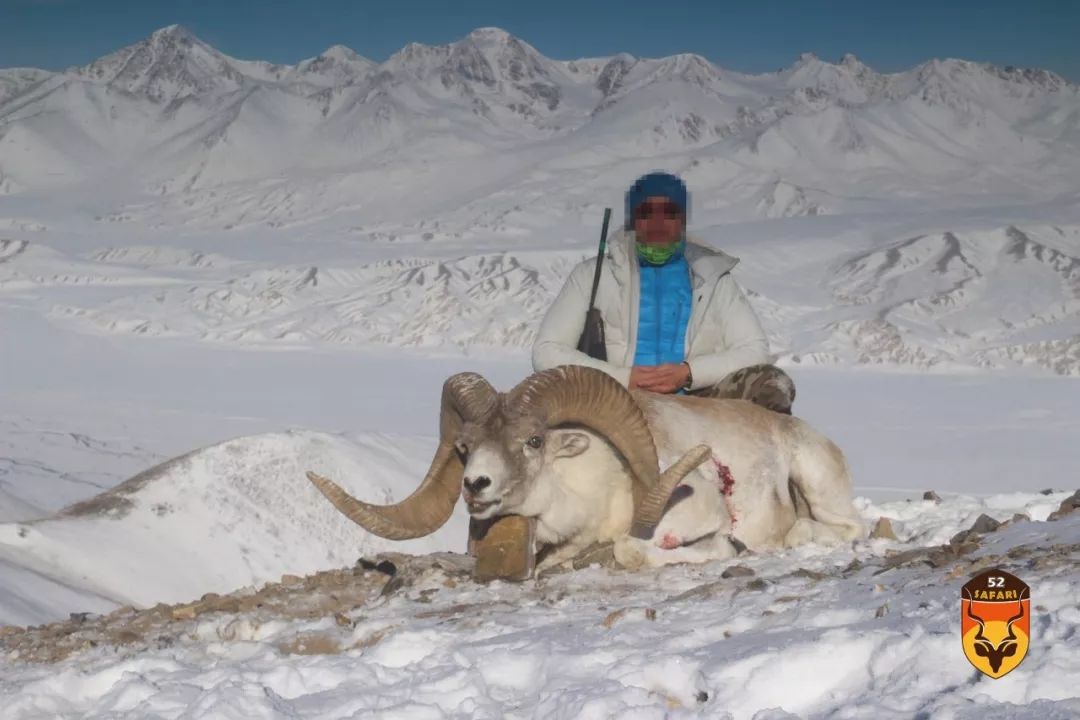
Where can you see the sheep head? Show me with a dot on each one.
(494, 447)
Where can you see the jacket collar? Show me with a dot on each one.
(706, 263)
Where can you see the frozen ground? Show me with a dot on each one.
(863, 632)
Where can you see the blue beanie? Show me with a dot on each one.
(655, 184)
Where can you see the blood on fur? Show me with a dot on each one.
(727, 487)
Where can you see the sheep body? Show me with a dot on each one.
(772, 482)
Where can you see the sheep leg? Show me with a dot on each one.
(635, 554)
(562, 554)
(820, 475)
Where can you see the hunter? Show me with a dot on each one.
(674, 318)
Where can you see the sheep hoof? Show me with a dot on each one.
(600, 553)
(629, 553)
(801, 533)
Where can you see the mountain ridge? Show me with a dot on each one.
(223, 119)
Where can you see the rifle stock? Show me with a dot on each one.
(592, 337)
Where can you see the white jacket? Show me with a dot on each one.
(723, 333)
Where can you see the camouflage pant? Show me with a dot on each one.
(764, 385)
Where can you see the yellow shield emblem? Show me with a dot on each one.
(995, 621)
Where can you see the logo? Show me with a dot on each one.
(995, 621)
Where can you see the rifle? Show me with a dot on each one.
(591, 341)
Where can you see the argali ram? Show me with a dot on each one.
(577, 451)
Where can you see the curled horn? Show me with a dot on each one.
(466, 398)
(650, 509)
(592, 398)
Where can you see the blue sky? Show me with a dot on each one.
(750, 36)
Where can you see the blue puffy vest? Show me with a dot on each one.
(663, 311)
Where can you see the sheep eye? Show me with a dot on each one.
(536, 441)
(462, 449)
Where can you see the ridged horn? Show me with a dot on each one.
(650, 509)
(590, 397)
(466, 398)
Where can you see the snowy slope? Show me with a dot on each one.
(14, 81)
(997, 298)
(978, 298)
(234, 514)
(866, 631)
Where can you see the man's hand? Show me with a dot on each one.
(666, 378)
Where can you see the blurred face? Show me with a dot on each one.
(658, 221)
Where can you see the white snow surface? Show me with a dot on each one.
(216, 274)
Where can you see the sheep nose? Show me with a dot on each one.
(475, 485)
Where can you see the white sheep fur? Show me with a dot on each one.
(791, 485)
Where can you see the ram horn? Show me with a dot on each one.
(592, 398)
(466, 398)
(585, 396)
(650, 509)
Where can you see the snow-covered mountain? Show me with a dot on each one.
(167, 67)
(172, 106)
(978, 298)
(438, 199)
(14, 81)
(999, 298)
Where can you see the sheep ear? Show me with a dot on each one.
(571, 444)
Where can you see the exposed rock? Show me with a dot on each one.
(931, 495)
(386, 567)
(907, 557)
(984, 524)
(737, 571)
(701, 591)
(947, 553)
(1068, 506)
(812, 574)
(617, 615)
(185, 612)
(883, 529)
(311, 644)
(935, 557)
(371, 640)
(962, 537)
(853, 567)
(332, 593)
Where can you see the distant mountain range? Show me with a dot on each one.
(175, 114)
